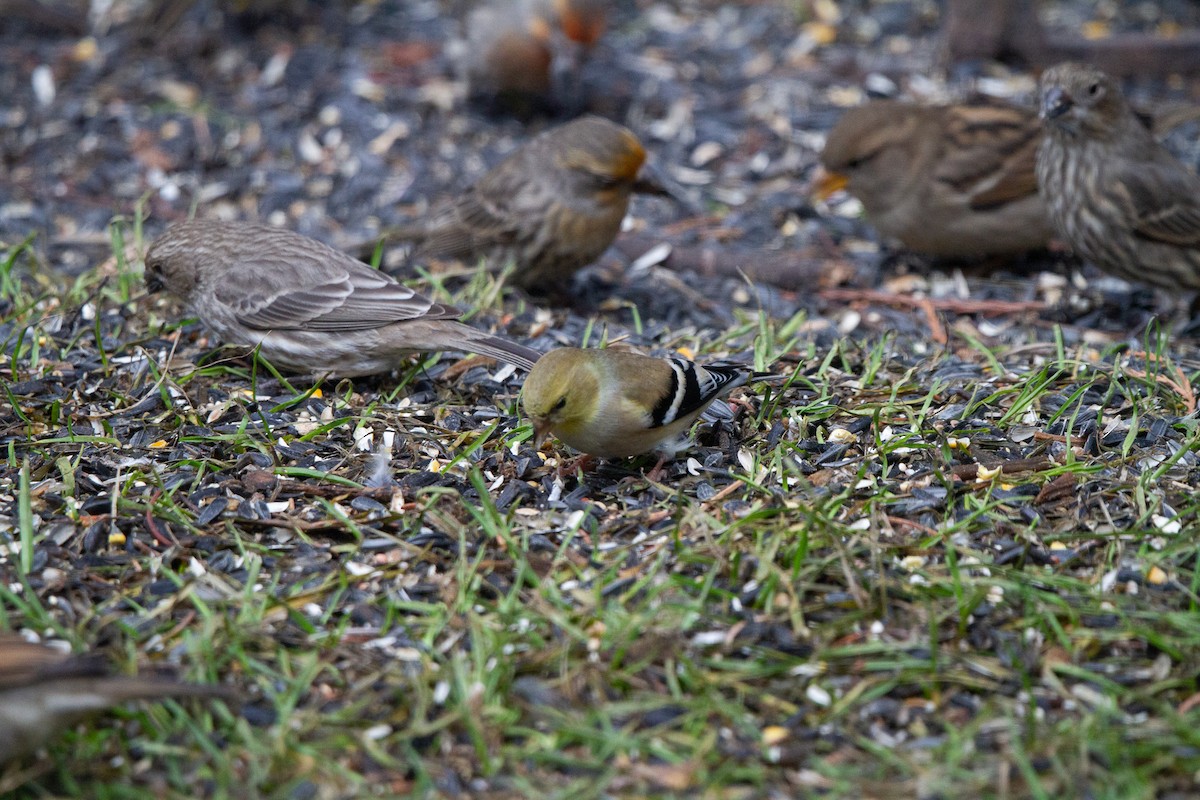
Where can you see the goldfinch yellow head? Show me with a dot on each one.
(561, 392)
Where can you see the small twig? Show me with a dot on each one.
(1061, 487)
(465, 364)
(335, 491)
(969, 472)
(925, 529)
(937, 331)
(1190, 703)
(952, 304)
(728, 490)
(1181, 385)
(156, 532)
(299, 525)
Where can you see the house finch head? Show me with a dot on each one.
(553, 206)
(581, 21)
(1116, 195)
(526, 55)
(43, 691)
(951, 181)
(308, 307)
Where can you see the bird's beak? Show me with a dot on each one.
(1055, 102)
(653, 181)
(826, 183)
(541, 431)
(650, 180)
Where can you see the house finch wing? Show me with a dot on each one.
(990, 154)
(271, 293)
(471, 225)
(1163, 201)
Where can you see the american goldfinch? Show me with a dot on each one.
(307, 306)
(614, 403)
(43, 690)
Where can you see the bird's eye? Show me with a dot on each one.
(561, 404)
(1093, 90)
(863, 159)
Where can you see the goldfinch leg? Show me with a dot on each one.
(655, 474)
(581, 464)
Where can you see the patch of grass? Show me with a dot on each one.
(897, 572)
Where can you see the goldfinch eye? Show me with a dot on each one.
(561, 404)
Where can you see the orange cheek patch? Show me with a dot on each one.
(826, 183)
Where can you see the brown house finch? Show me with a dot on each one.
(949, 181)
(508, 51)
(43, 691)
(553, 206)
(1117, 196)
(520, 52)
(307, 307)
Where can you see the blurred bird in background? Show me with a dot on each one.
(526, 56)
(44, 691)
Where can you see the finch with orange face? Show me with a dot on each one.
(524, 53)
(581, 21)
(43, 691)
(307, 307)
(508, 53)
(1116, 195)
(551, 207)
(948, 181)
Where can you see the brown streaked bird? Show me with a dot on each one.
(954, 181)
(307, 307)
(552, 207)
(1117, 196)
(43, 691)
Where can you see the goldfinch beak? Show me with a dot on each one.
(826, 183)
(541, 432)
